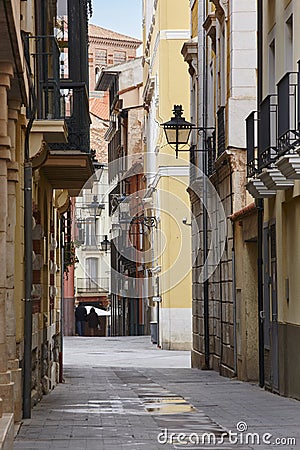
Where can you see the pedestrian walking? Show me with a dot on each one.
(80, 316)
(93, 321)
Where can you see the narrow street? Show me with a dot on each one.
(124, 393)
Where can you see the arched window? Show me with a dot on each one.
(97, 73)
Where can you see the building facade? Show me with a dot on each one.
(44, 161)
(129, 310)
(93, 275)
(166, 82)
(221, 57)
(273, 173)
(108, 48)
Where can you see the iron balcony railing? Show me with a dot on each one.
(252, 163)
(42, 57)
(76, 114)
(57, 98)
(267, 152)
(92, 285)
(278, 126)
(288, 112)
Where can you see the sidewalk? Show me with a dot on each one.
(123, 393)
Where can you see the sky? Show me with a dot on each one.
(122, 16)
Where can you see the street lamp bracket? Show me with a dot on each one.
(178, 130)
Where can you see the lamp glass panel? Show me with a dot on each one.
(171, 135)
(183, 135)
(92, 209)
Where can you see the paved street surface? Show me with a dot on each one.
(125, 394)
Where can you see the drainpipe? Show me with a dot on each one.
(62, 281)
(234, 306)
(28, 251)
(205, 218)
(157, 303)
(260, 203)
(205, 284)
(28, 287)
(221, 301)
(28, 272)
(233, 280)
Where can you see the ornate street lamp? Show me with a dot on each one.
(177, 130)
(105, 244)
(95, 208)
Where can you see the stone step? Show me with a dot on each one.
(6, 432)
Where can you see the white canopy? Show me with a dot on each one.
(99, 311)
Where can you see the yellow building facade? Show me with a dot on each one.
(166, 82)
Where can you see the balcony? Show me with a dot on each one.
(59, 139)
(289, 125)
(267, 153)
(288, 112)
(42, 57)
(91, 285)
(258, 189)
(252, 162)
(278, 161)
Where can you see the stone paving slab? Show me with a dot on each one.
(124, 393)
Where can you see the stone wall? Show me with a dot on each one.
(228, 181)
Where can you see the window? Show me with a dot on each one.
(119, 57)
(272, 67)
(222, 68)
(91, 273)
(97, 73)
(288, 38)
(90, 234)
(100, 58)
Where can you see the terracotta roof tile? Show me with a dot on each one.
(96, 31)
(100, 107)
